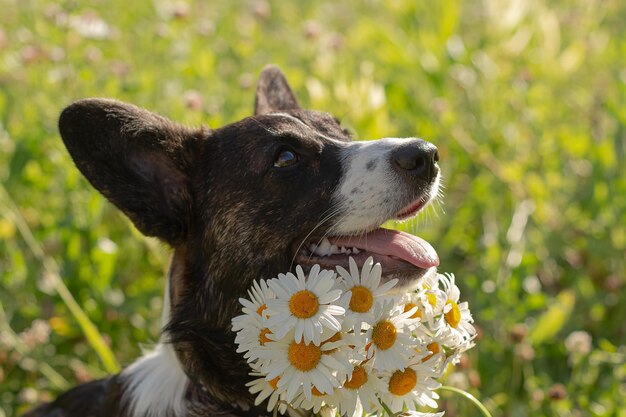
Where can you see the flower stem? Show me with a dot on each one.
(386, 408)
(470, 397)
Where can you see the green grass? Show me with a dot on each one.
(525, 101)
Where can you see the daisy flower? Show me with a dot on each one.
(429, 304)
(267, 389)
(251, 327)
(429, 281)
(362, 291)
(433, 352)
(302, 366)
(252, 337)
(348, 347)
(359, 392)
(320, 400)
(259, 294)
(452, 355)
(339, 345)
(455, 325)
(410, 387)
(304, 305)
(390, 344)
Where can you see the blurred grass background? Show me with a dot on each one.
(525, 100)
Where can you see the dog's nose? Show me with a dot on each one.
(417, 158)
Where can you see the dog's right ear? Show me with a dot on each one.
(273, 92)
(139, 160)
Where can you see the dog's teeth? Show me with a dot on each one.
(324, 248)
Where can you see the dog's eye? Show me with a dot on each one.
(285, 158)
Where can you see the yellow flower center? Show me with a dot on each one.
(304, 357)
(402, 382)
(303, 304)
(417, 314)
(434, 348)
(261, 309)
(263, 339)
(359, 377)
(432, 299)
(361, 300)
(334, 338)
(274, 382)
(453, 317)
(384, 334)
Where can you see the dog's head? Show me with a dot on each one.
(252, 199)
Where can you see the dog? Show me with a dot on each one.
(247, 201)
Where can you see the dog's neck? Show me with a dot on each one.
(162, 382)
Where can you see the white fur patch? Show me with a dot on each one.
(370, 188)
(155, 384)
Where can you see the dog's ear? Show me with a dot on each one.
(273, 92)
(139, 160)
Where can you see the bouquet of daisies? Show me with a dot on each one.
(342, 342)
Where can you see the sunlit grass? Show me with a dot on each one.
(525, 101)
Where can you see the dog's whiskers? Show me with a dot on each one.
(334, 210)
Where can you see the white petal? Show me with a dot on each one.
(292, 389)
(276, 370)
(300, 326)
(367, 267)
(375, 275)
(328, 274)
(290, 285)
(300, 274)
(247, 303)
(345, 275)
(322, 286)
(331, 322)
(313, 276)
(354, 270)
(322, 382)
(329, 297)
(358, 411)
(455, 293)
(333, 310)
(308, 331)
(316, 334)
(387, 286)
(332, 363)
(278, 289)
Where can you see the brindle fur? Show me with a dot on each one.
(184, 186)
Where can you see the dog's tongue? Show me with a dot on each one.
(409, 248)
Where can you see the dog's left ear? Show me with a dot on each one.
(139, 160)
(273, 92)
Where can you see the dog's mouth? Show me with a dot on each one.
(401, 255)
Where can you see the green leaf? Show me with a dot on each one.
(552, 321)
